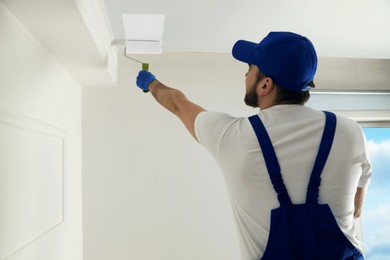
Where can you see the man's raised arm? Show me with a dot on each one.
(170, 98)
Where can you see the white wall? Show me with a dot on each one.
(40, 121)
(150, 190)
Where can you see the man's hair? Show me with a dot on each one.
(285, 96)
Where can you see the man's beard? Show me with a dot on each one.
(251, 97)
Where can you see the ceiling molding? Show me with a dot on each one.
(359, 75)
(96, 19)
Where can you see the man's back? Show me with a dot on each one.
(295, 132)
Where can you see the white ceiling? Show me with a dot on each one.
(347, 28)
(351, 36)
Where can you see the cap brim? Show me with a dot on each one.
(244, 51)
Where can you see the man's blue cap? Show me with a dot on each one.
(288, 58)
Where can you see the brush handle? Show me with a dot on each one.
(145, 66)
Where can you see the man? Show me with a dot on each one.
(281, 72)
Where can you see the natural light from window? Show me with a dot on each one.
(376, 212)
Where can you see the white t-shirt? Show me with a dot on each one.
(295, 132)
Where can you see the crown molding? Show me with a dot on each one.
(96, 20)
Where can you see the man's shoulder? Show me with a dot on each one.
(217, 124)
(209, 117)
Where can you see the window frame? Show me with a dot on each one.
(367, 118)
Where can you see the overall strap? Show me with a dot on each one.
(271, 160)
(322, 156)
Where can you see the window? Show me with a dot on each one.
(376, 211)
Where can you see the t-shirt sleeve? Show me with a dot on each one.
(209, 129)
(365, 178)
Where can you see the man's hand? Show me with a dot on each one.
(144, 79)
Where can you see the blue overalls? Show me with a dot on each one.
(306, 231)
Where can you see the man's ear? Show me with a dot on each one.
(265, 86)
